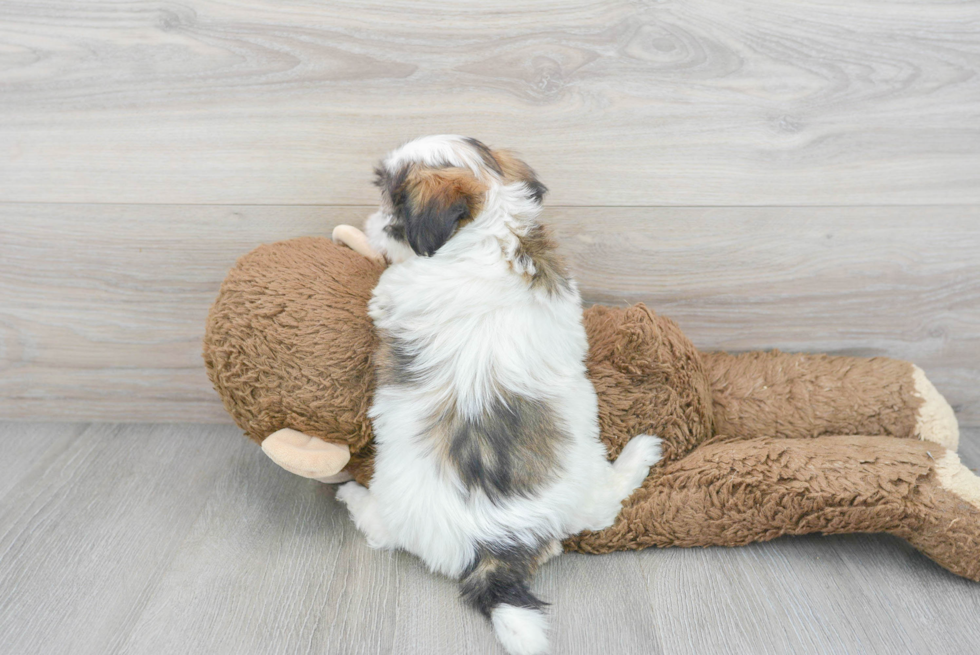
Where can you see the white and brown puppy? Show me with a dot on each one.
(486, 426)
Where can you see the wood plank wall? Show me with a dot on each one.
(797, 175)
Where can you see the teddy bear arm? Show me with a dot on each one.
(728, 493)
(778, 394)
(357, 241)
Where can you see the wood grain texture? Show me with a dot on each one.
(186, 539)
(85, 535)
(102, 307)
(29, 446)
(680, 102)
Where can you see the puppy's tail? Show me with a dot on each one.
(497, 585)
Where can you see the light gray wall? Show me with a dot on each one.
(795, 175)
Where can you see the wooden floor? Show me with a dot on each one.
(170, 539)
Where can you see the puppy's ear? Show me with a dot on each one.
(513, 169)
(436, 203)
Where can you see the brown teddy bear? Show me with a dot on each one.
(755, 446)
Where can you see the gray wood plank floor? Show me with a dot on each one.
(175, 539)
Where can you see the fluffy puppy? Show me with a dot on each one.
(486, 426)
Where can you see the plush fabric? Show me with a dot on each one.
(731, 493)
(289, 341)
(755, 445)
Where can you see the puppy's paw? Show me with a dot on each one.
(551, 550)
(353, 495)
(363, 509)
(633, 464)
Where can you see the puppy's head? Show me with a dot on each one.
(434, 186)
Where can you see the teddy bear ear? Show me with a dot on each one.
(436, 203)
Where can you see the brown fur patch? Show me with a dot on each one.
(436, 189)
(500, 574)
(486, 155)
(513, 169)
(393, 361)
(511, 448)
(431, 204)
(800, 396)
(539, 248)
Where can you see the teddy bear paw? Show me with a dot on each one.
(954, 476)
(935, 420)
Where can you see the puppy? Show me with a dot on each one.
(486, 426)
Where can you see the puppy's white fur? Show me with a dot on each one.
(481, 330)
(520, 629)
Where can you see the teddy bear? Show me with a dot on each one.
(755, 445)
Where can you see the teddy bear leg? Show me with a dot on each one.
(778, 394)
(731, 493)
(949, 534)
